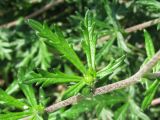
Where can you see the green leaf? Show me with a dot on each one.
(106, 114)
(150, 5)
(12, 87)
(121, 113)
(5, 50)
(149, 45)
(27, 89)
(73, 90)
(158, 26)
(48, 78)
(43, 57)
(35, 25)
(57, 40)
(11, 101)
(36, 117)
(43, 99)
(150, 50)
(111, 67)
(29, 93)
(105, 49)
(89, 40)
(15, 115)
(91, 105)
(111, 14)
(121, 42)
(150, 94)
(28, 57)
(135, 109)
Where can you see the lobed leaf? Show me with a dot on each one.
(47, 78)
(89, 40)
(57, 40)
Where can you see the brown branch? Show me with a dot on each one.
(69, 101)
(131, 80)
(1, 82)
(111, 87)
(133, 28)
(152, 75)
(34, 14)
(155, 102)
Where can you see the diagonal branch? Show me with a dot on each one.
(155, 102)
(111, 87)
(34, 14)
(133, 29)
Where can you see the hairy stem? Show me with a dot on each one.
(111, 87)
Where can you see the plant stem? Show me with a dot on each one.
(111, 87)
(133, 29)
(34, 14)
(155, 102)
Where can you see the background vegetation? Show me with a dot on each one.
(52, 50)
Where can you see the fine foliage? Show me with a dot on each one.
(68, 49)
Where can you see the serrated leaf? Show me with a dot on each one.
(15, 115)
(111, 67)
(57, 40)
(150, 94)
(35, 24)
(89, 39)
(11, 101)
(47, 78)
